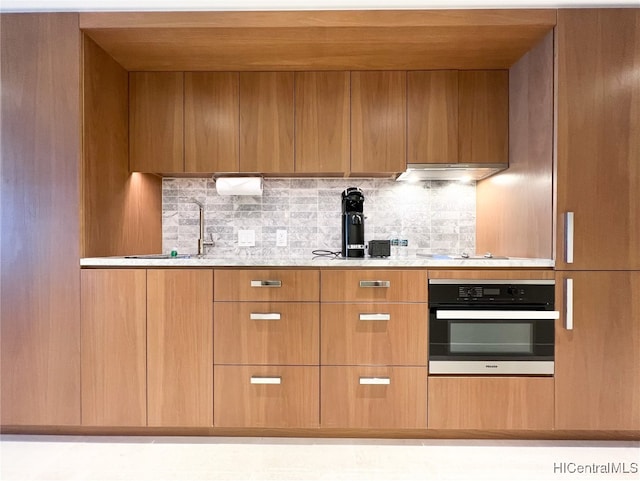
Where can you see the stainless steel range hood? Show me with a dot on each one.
(419, 172)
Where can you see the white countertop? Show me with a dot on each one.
(415, 262)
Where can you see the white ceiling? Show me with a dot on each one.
(148, 5)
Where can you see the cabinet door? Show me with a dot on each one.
(432, 117)
(211, 122)
(266, 122)
(373, 397)
(114, 317)
(598, 361)
(269, 285)
(378, 122)
(376, 285)
(156, 122)
(490, 403)
(483, 116)
(180, 347)
(322, 133)
(598, 146)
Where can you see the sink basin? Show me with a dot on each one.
(461, 257)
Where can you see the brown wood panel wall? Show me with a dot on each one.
(40, 272)
(121, 212)
(515, 208)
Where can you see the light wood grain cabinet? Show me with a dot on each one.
(374, 285)
(598, 139)
(156, 116)
(373, 397)
(378, 122)
(266, 396)
(277, 333)
(180, 347)
(490, 403)
(113, 350)
(374, 334)
(322, 122)
(267, 285)
(266, 122)
(597, 379)
(458, 116)
(211, 122)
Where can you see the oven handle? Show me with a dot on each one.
(482, 315)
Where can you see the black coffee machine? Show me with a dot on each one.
(352, 223)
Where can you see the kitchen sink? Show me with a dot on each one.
(475, 257)
(158, 256)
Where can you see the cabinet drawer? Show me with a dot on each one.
(380, 334)
(374, 286)
(266, 396)
(266, 285)
(374, 397)
(266, 333)
(491, 403)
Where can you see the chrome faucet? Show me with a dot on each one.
(201, 242)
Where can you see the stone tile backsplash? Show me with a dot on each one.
(434, 216)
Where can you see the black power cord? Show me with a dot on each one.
(318, 253)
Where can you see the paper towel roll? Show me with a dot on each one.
(239, 185)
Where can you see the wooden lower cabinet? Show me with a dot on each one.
(374, 334)
(490, 403)
(180, 347)
(266, 396)
(598, 361)
(266, 333)
(373, 397)
(113, 348)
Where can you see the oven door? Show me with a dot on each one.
(485, 341)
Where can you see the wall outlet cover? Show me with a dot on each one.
(281, 238)
(246, 238)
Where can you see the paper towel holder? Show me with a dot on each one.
(238, 184)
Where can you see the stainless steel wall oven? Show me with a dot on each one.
(491, 326)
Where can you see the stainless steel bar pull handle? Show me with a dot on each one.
(375, 283)
(265, 316)
(266, 283)
(375, 381)
(568, 237)
(266, 380)
(375, 317)
(568, 304)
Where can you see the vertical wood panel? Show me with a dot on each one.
(266, 122)
(180, 347)
(156, 118)
(598, 362)
(483, 116)
(432, 117)
(211, 122)
(122, 212)
(378, 122)
(40, 273)
(598, 138)
(114, 361)
(322, 128)
(515, 208)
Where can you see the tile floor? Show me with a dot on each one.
(25, 458)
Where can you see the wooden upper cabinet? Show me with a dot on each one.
(180, 347)
(114, 343)
(156, 122)
(266, 122)
(378, 122)
(432, 116)
(322, 129)
(597, 378)
(598, 137)
(483, 116)
(211, 122)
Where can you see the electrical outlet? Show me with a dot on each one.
(246, 238)
(281, 238)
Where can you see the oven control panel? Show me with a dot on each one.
(451, 292)
(490, 292)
